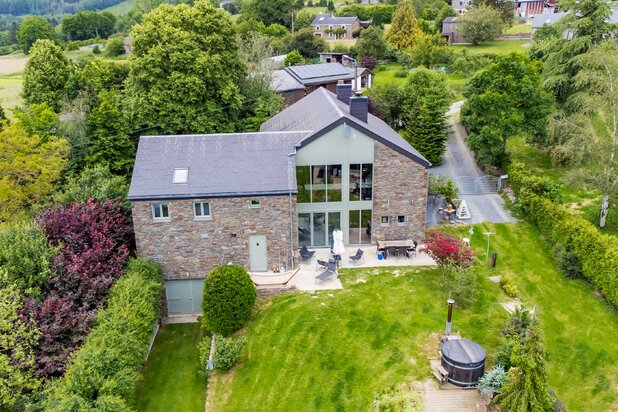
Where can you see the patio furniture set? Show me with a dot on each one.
(329, 267)
(397, 248)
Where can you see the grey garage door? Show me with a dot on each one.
(184, 296)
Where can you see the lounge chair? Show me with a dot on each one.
(321, 264)
(358, 257)
(330, 271)
(306, 254)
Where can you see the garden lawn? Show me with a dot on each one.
(334, 350)
(580, 329)
(519, 28)
(496, 47)
(10, 92)
(171, 380)
(121, 9)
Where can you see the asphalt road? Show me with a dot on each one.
(459, 161)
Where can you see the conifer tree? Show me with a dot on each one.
(403, 31)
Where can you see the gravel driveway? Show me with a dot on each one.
(459, 161)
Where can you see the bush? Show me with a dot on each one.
(402, 74)
(204, 349)
(228, 296)
(114, 47)
(227, 351)
(442, 186)
(596, 252)
(567, 262)
(105, 369)
(493, 380)
(71, 46)
(398, 399)
(507, 285)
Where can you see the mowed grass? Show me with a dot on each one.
(10, 92)
(496, 47)
(580, 329)
(334, 350)
(519, 28)
(171, 382)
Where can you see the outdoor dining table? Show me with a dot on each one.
(383, 244)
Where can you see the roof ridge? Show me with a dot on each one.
(226, 134)
(330, 100)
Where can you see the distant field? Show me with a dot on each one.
(496, 47)
(519, 28)
(121, 9)
(10, 90)
(12, 63)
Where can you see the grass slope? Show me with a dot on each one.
(121, 9)
(171, 381)
(10, 92)
(580, 329)
(496, 47)
(336, 349)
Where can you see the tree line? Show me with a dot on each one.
(52, 7)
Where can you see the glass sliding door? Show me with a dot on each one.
(334, 223)
(304, 229)
(360, 227)
(316, 228)
(319, 229)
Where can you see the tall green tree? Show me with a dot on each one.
(34, 28)
(39, 120)
(371, 43)
(88, 24)
(96, 182)
(186, 72)
(46, 74)
(506, 8)
(527, 390)
(110, 143)
(403, 30)
(305, 42)
(19, 337)
(271, 11)
(481, 23)
(426, 101)
(504, 100)
(28, 169)
(586, 25)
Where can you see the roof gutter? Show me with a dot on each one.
(208, 195)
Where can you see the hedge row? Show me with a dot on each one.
(103, 372)
(597, 252)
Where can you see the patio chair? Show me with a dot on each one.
(306, 254)
(358, 257)
(321, 264)
(401, 251)
(412, 250)
(331, 270)
(392, 251)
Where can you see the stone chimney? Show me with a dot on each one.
(344, 92)
(359, 107)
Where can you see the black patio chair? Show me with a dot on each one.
(321, 264)
(412, 250)
(306, 254)
(392, 251)
(331, 270)
(358, 257)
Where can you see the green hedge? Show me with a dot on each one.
(597, 252)
(103, 372)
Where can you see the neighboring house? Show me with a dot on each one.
(528, 8)
(461, 6)
(449, 31)
(252, 199)
(332, 57)
(330, 27)
(295, 82)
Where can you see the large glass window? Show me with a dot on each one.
(360, 227)
(361, 181)
(334, 223)
(304, 229)
(319, 229)
(303, 181)
(319, 183)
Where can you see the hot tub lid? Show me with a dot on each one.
(463, 352)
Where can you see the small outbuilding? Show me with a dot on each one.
(464, 361)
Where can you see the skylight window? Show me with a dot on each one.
(181, 175)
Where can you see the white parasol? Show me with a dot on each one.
(338, 247)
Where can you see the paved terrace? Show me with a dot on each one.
(303, 278)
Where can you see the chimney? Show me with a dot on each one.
(344, 91)
(359, 107)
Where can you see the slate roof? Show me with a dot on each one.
(321, 111)
(328, 18)
(542, 19)
(319, 73)
(219, 165)
(282, 81)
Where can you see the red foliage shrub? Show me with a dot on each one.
(96, 240)
(369, 62)
(447, 250)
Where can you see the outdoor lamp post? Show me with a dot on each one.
(449, 316)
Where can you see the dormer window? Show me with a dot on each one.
(181, 175)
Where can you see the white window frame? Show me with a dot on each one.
(161, 218)
(317, 28)
(384, 223)
(254, 205)
(202, 217)
(181, 172)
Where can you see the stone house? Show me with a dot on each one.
(295, 82)
(253, 199)
(331, 27)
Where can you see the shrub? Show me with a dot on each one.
(442, 186)
(26, 257)
(493, 380)
(402, 74)
(114, 47)
(96, 49)
(228, 296)
(398, 398)
(227, 351)
(105, 369)
(507, 285)
(567, 262)
(71, 46)
(596, 252)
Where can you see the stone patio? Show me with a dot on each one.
(303, 278)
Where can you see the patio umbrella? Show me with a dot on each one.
(338, 247)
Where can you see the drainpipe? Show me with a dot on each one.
(291, 235)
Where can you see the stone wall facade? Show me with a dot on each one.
(322, 30)
(188, 248)
(399, 189)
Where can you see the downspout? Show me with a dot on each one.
(291, 235)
